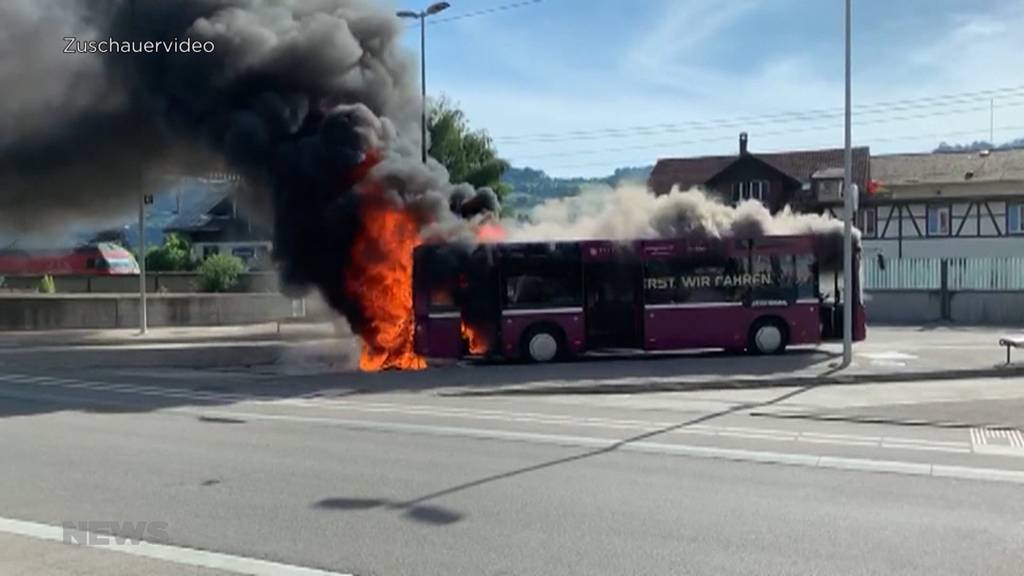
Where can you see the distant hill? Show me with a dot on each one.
(531, 186)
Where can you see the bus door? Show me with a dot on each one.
(437, 316)
(612, 299)
(831, 286)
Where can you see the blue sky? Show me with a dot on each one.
(606, 67)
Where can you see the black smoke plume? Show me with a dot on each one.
(301, 97)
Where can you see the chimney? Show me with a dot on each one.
(743, 143)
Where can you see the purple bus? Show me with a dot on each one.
(545, 301)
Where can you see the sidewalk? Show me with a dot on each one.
(890, 354)
(45, 554)
(23, 556)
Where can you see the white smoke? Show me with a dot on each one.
(631, 211)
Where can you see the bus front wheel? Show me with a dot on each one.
(768, 336)
(542, 344)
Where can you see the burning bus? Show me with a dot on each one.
(540, 301)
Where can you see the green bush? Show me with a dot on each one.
(175, 255)
(47, 285)
(219, 273)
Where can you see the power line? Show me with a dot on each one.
(789, 116)
(634, 161)
(812, 128)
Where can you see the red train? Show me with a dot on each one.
(103, 259)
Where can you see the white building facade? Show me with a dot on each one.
(962, 205)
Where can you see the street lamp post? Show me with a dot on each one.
(849, 207)
(422, 17)
(143, 321)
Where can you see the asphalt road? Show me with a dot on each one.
(311, 471)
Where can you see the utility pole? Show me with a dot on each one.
(848, 213)
(422, 17)
(143, 324)
(992, 122)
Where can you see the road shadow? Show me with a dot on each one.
(423, 514)
(36, 388)
(420, 503)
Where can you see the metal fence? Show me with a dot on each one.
(946, 274)
(1003, 274)
(903, 274)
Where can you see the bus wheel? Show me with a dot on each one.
(542, 344)
(768, 336)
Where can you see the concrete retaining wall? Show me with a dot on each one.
(903, 307)
(49, 312)
(924, 306)
(991, 308)
(164, 282)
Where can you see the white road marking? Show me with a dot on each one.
(646, 425)
(1001, 442)
(696, 451)
(507, 416)
(891, 356)
(168, 553)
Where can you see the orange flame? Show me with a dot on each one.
(477, 341)
(490, 232)
(380, 280)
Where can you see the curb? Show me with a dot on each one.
(684, 385)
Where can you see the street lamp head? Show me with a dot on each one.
(437, 7)
(407, 14)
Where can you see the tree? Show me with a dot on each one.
(175, 255)
(219, 273)
(47, 285)
(469, 155)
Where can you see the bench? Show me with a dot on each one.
(1011, 342)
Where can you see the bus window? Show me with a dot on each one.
(831, 286)
(709, 279)
(542, 279)
(441, 298)
(776, 277)
(806, 277)
(541, 290)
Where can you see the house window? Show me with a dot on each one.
(869, 222)
(752, 190)
(1015, 218)
(758, 190)
(938, 221)
(739, 192)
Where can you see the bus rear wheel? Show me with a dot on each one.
(768, 336)
(542, 344)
